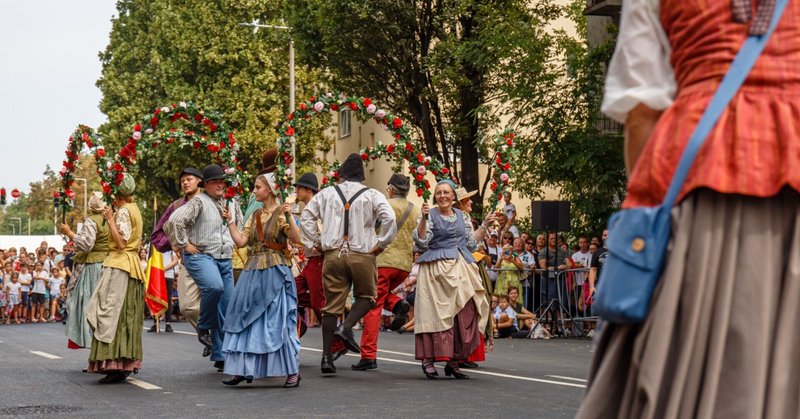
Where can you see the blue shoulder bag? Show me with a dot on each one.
(638, 237)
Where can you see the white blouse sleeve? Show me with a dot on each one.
(640, 70)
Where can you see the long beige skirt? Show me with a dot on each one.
(721, 339)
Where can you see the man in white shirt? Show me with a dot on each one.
(349, 212)
(582, 257)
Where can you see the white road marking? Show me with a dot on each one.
(561, 377)
(142, 384)
(494, 374)
(45, 354)
(175, 331)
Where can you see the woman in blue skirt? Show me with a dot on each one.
(261, 321)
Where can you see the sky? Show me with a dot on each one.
(48, 68)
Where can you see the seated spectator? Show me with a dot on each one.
(505, 318)
(524, 317)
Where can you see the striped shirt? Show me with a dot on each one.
(200, 223)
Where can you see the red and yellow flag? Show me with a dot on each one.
(155, 285)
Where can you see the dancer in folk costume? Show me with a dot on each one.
(261, 321)
(450, 307)
(91, 247)
(719, 340)
(190, 180)
(198, 229)
(116, 309)
(394, 264)
(349, 212)
(310, 292)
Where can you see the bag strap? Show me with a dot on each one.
(736, 75)
(347, 204)
(405, 215)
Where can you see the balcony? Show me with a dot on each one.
(607, 125)
(609, 8)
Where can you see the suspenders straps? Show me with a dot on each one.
(347, 205)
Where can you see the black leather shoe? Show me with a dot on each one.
(236, 379)
(303, 329)
(346, 335)
(204, 336)
(168, 328)
(219, 365)
(400, 311)
(152, 329)
(455, 372)
(467, 364)
(365, 364)
(338, 354)
(432, 374)
(327, 365)
(114, 377)
(206, 351)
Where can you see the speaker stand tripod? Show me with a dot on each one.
(553, 305)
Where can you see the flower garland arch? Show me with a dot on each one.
(82, 136)
(186, 125)
(505, 151)
(403, 149)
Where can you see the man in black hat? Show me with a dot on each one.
(309, 283)
(349, 212)
(310, 293)
(200, 232)
(190, 180)
(394, 264)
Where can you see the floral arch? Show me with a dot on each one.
(403, 149)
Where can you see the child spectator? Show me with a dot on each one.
(14, 296)
(40, 280)
(524, 317)
(509, 267)
(25, 281)
(505, 318)
(56, 281)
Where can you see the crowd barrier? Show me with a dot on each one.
(571, 293)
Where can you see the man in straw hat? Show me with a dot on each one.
(199, 230)
(394, 264)
(349, 212)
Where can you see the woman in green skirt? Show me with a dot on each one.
(116, 310)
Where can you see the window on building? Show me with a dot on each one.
(344, 123)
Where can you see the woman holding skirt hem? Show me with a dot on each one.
(261, 322)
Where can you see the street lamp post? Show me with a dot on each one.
(255, 25)
(85, 196)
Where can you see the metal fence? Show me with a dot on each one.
(545, 293)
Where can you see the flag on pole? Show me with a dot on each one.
(155, 285)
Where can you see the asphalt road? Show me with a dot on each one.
(40, 377)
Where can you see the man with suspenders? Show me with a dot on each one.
(349, 212)
(394, 264)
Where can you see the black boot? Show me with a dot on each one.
(360, 308)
